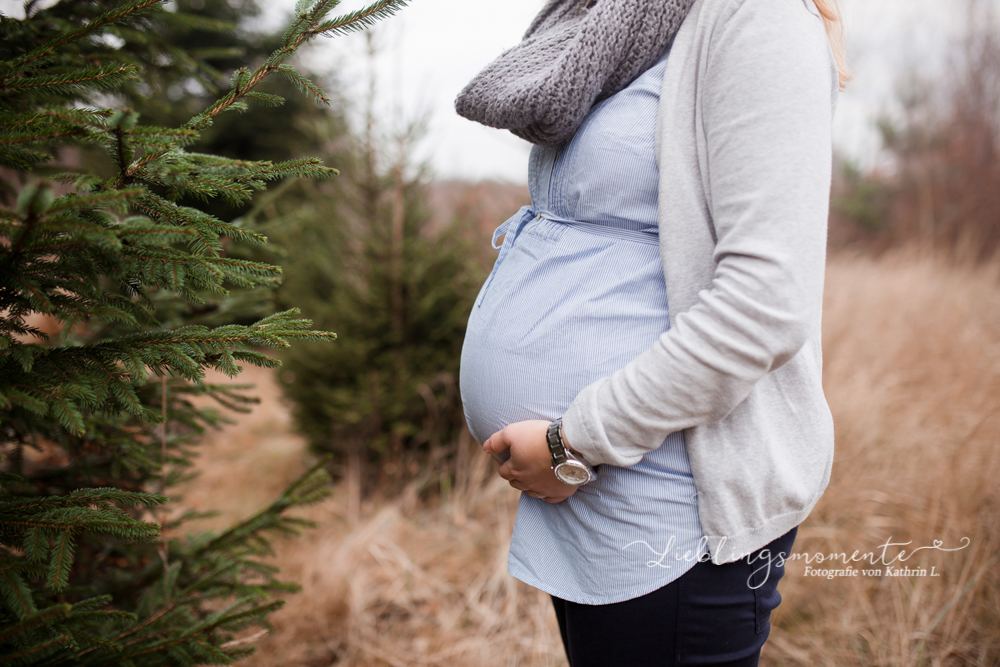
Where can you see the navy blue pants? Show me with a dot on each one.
(716, 615)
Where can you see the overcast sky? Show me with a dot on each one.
(432, 48)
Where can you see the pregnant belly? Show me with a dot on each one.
(564, 307)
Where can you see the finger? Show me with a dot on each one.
(505, 471)
(519, 485)
(496, 443)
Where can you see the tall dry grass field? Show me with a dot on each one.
(913, 379)
(912, 375)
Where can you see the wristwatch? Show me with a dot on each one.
(568, 469)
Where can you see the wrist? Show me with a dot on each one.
(569, 448)
(568, 466)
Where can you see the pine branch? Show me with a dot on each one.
(265, 99)
(116, 14)
(186, 351)
(42, 618)
(203, 225)
(310, 488)
(159, 137)
(76, 201)
(303, 84)
(33, 653)
(359, 20)
(294, 38)
(31, 137)
(22, 158)
(16, 594)
(62, 560)
(85, 497)
(95, 119)
(108, 76)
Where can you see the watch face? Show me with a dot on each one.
(572, 472)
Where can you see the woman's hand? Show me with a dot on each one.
(529, 467)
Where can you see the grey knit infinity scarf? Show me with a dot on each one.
(574, 54)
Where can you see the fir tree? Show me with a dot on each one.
(399, 293)
(97, 416)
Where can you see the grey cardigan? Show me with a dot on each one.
(744, 150)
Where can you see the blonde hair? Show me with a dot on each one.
(830, 12)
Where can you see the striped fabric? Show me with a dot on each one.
(577, 292)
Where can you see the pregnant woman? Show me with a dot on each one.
(645, 355)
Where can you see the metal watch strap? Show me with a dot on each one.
(553, 438)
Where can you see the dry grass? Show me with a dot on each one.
(913, 378)
(405, 583)
(912, 374)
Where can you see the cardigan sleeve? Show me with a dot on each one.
(764, 91)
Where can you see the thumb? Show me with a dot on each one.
(497, 443)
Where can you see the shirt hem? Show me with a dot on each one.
(522, 574)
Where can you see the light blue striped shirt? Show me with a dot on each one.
(576, 293)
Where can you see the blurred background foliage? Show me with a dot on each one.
(938, 186)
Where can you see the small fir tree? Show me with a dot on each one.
(369, 265)
(97, 413)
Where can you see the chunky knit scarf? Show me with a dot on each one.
(574, 54)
